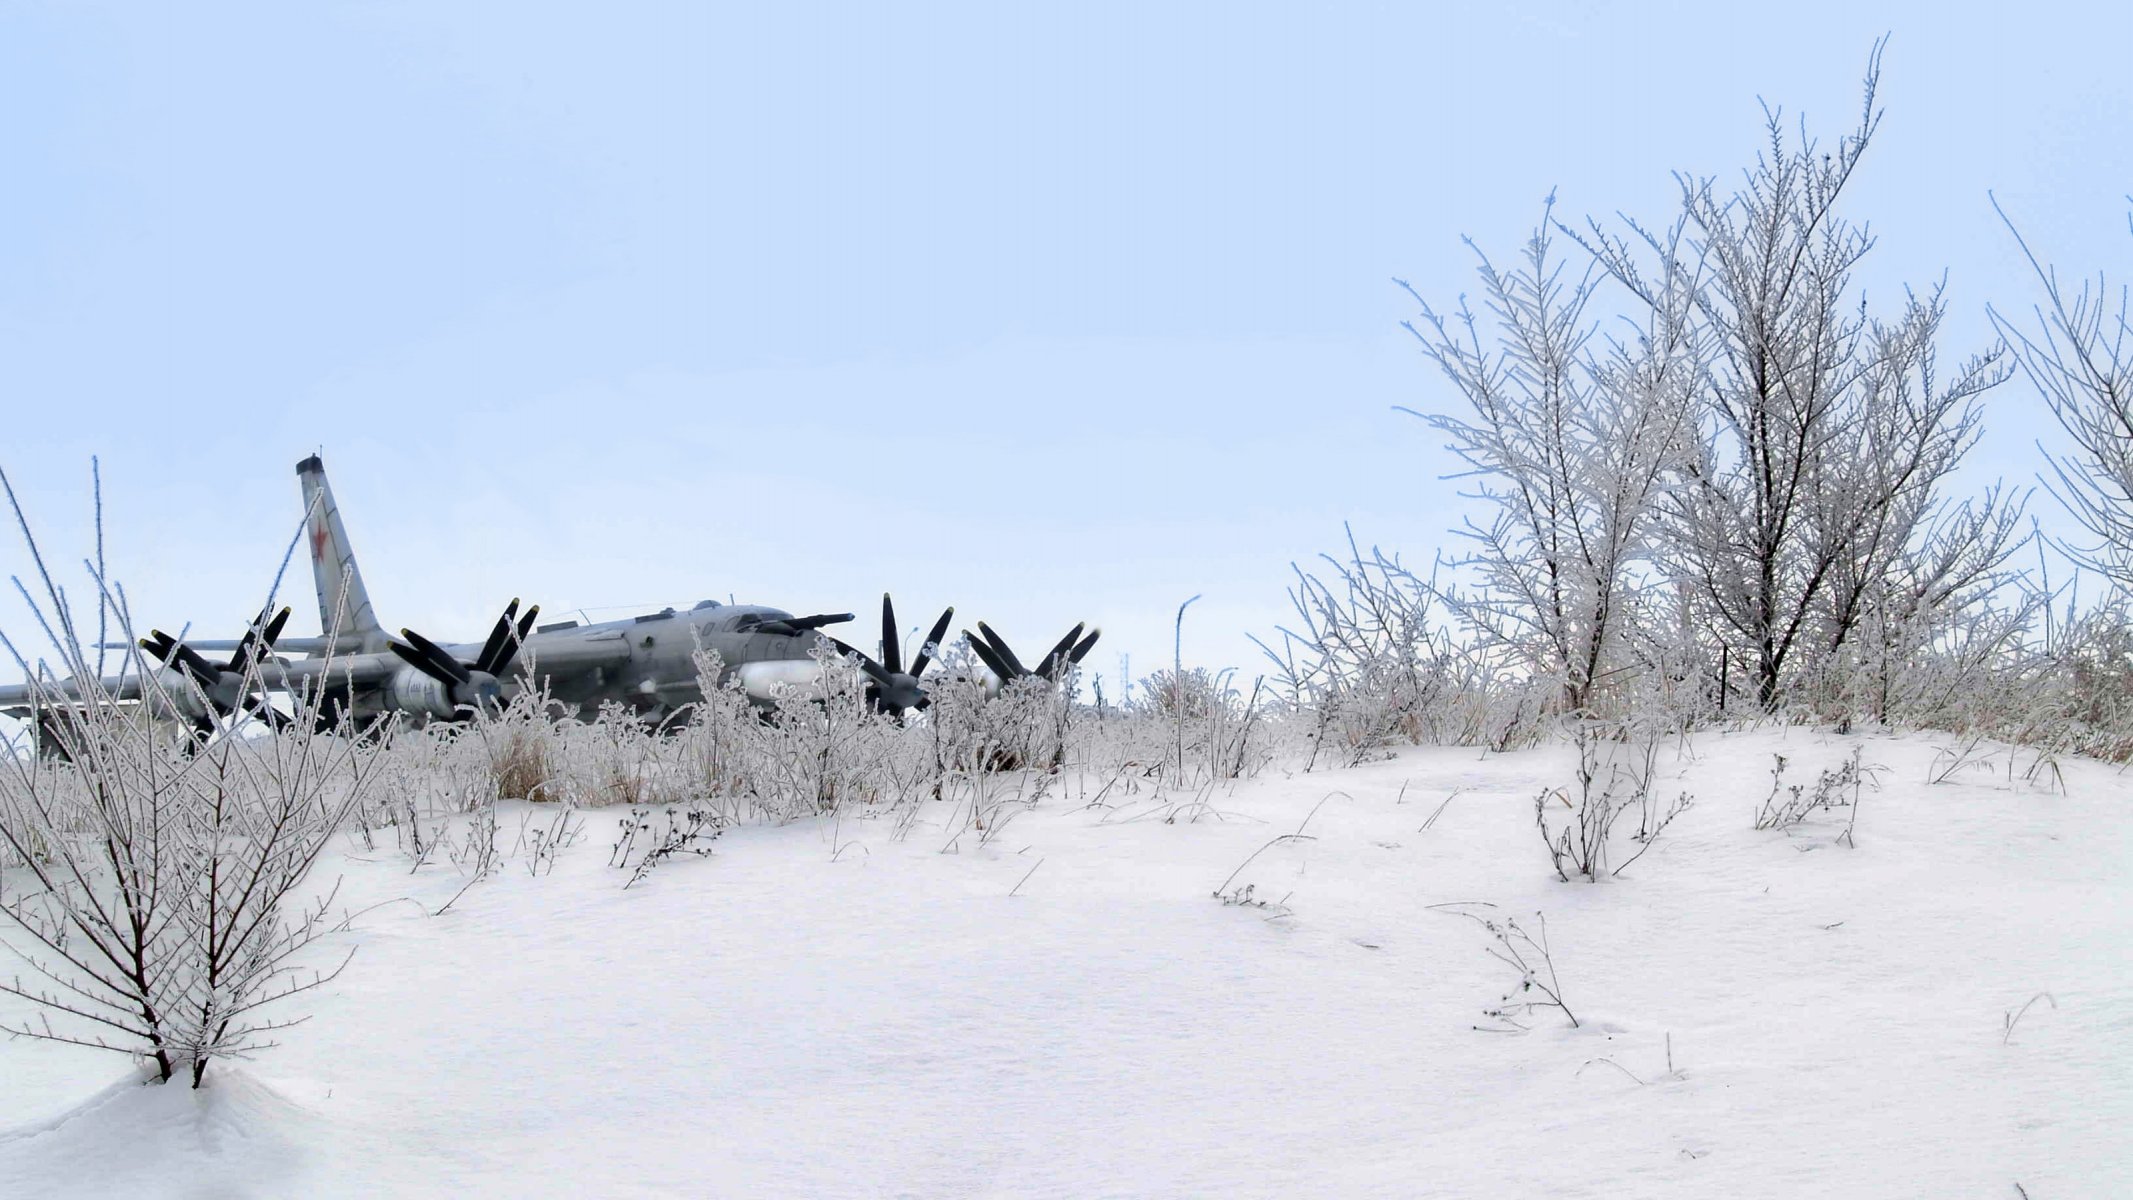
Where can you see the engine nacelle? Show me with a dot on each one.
(176, 695)
(411, 691)
(766, 681)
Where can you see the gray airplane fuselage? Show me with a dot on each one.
(659, 672)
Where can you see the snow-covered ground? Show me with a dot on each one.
(822, 1009)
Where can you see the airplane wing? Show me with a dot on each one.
(24, 696)
(356, 669)
(556, 656)
(287, 645)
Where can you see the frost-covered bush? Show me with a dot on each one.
(2068, 689)
(1029, 723)
(1813, 491)
(1616, 774)
(522, 749)
(158, 873)
(162, 891)
(823, 748)
(1371, 662)
(1217, 732)
(617, 761)
(715, 743)
(1710, 477)
(2078, 355)
(1572, 440)
(1789, 804)
(644, 840)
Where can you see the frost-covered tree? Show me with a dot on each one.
(1825, 432)
(1570, 439)
(2078, 353)
(158, 877)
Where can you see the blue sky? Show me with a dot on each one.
(1053, 314)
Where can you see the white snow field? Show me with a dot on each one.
(821, 1009)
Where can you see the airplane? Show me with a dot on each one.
(358, 672)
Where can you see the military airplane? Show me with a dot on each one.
(356, 671)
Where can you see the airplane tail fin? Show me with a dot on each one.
(342, 603)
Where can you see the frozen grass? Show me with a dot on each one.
(834, 1006)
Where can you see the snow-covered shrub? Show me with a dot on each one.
(823, 747)
(1742, 495)
(642, 841)
(1210, 722)
(1914, 665)
(1615, 774)
(522, 747)
(1571, 441)
(163, 890)
(2086, 686)
(2069, 691)
(160, 883)
(1526, 951)
(2018, 673)
(433, 772)
(1185, 698)
(2079, 357)
(1370, 664)
(1027, 725)
(1789, 804)
(1811, 494)
(717, 743)
(615, 760)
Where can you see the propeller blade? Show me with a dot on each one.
(892, 650)
(803, 624)
(443, 667)
(1000, 647)
(244, 644)
(258, 639)
(272, 632)
(990, 658)
(181, 658)
(1050, 664)
(517, 642)
(498, 635)
(1082, 651)
(932, 645)
(874, 670)
(416, 659)
(199, 668)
